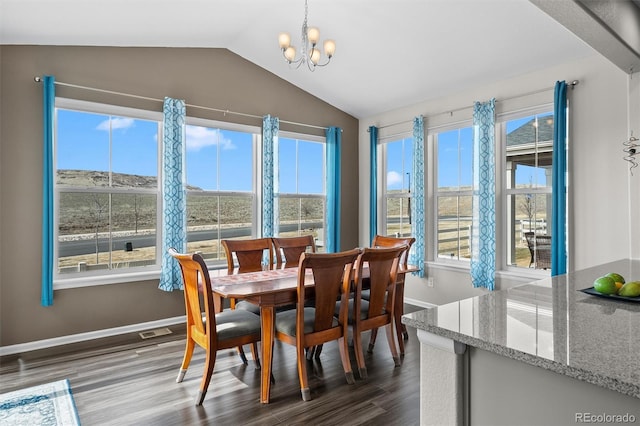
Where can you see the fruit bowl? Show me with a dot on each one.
(592, 291)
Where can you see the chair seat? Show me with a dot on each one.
(255, 309)
(286, 321)
(248, 307)
(364, 310)
(236, 323)
(366, 294)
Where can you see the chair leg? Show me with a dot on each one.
(302, 374)
(209, 363)
(357, 347)
(405, 333)
(399, 335)
(372, 339)
(343, 345)
(391, 338)
(188, 352)
(318, 351)
(254, 354)
(243, 357)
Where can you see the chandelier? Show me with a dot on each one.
(311, 54)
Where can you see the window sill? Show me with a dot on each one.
(105, 279)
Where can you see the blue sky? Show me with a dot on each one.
(220, 159)
(216, 159)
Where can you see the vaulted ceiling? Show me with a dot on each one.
(390, 53)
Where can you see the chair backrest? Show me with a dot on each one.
(382, 241)
(383, 274)
(248, 253)
(332, 276)
(196, 281)
(289, 249)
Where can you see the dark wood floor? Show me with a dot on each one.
(134, 384)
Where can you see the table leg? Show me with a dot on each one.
(267, 317)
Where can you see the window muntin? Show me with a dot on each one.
(301, 194)
(454, 184)
(528, 167)
(396, 197)
(106, 188)
(221, 198)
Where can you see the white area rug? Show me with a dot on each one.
(47, 404)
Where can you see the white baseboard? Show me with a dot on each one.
(83, 337)
(416, 302)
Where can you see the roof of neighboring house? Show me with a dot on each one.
(525, 134)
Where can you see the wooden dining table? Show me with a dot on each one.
(268, 289)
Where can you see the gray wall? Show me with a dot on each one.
(215, 78)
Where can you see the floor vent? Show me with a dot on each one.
(154, 333)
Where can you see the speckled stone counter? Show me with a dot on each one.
(552, 325)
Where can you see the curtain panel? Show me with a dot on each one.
(174, 217)
(483, 229)
(334, 139)
(373, 183)
(48, 117)
(416, 256)
(559, 184)
(270, 129)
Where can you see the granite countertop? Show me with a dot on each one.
(552, 325)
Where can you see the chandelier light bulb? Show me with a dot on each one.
(285, 40)
(314, 35)
(315, 56)
(290, 53)
(329, 48)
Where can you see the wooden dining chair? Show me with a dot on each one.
(223, 330)
(401, 329)
(288, 249)
(378, 310)
(249, 256)
(309, 326)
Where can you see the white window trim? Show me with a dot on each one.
(100, 277)
(381, 190)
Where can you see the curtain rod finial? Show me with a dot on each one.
(574, 83)
(37, 79)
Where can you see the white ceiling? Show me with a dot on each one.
(390, 53)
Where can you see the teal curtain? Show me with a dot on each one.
(174, 220)
(373, 183)
(416, 256)
(334, 138)
(559, 184)
(270, 129)
(483, 230)
(48, 118)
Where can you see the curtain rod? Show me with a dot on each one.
(573, 84)
(38, 79)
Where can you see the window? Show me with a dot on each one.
(106, 188)
(301, 187)
(220, 180)
(108, 205)
(527, 177)
(396, 198)
(454, 184)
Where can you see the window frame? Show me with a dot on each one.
(256, 192)
(503, 192)
(108, 276)
(286, 195)
(383, 195)
(433, 133)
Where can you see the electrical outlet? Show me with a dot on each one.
(430, 282)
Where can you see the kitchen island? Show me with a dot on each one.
(538, 353)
